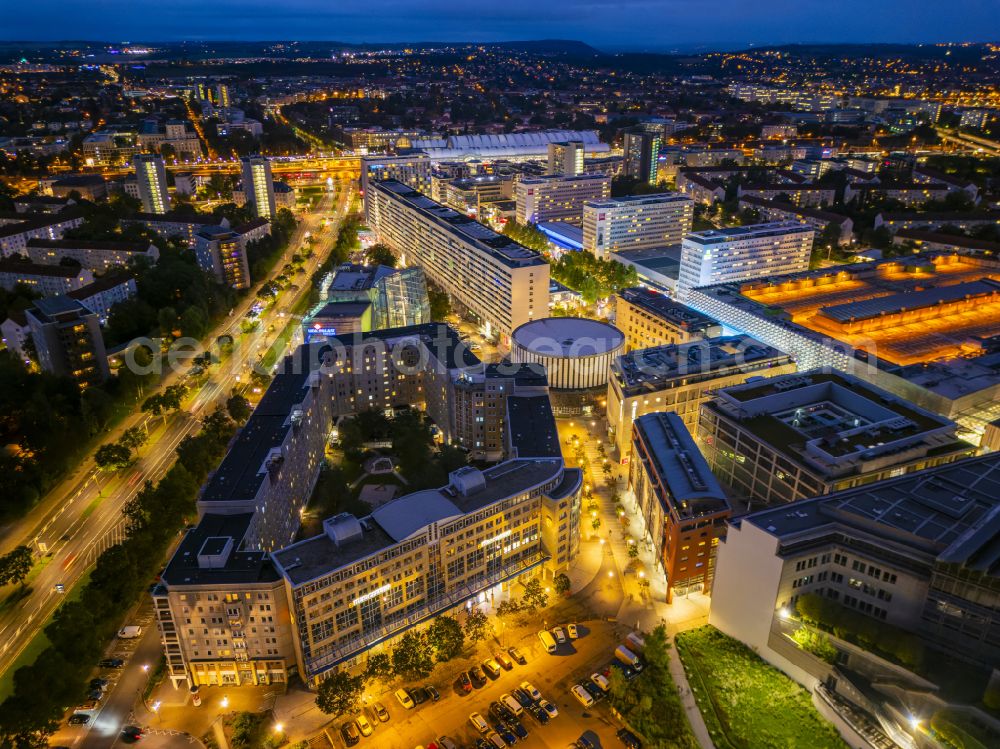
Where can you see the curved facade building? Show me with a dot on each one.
(576, 352)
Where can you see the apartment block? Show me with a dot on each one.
(557, 197)
(68, 340)
(636, 222)
(95, 256)
(743, 253)
(501, 283)
(684, 510)
(222, 252)
(680, 377)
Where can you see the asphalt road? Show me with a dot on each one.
(80, 518)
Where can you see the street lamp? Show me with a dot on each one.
(279, 727)
(145, 668)
(225, 702)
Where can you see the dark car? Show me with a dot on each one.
(95, 694)
(419, 695)
(433, 692)
(627, 671)
(350, 733)
(517, 728)
(629, 739)
(482, 743)
(477, 676)
(111, 662)
(506, 663)
(538, 714)
(505, 733)
(522, 697)
(79, 719)
(584, 743)
(595, 691)
(516, 655)
(131, 734)
(98, 683)
(464, 682)
(500, 711)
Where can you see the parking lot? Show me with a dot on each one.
(553, 675)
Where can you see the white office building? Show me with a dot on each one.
(151, 175)
(556, 197)
(636, 222)
(743, 253)
(258, 185)
(566, 158)
(498, 281)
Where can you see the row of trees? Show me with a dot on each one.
(80, 629)
(527, 235)
(591, 276)
(114, 456)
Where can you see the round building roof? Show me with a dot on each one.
(568, 337)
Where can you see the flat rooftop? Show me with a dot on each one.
(651, 369)
(408, 515)
(662, 306)
(678, 467)
(241, 567)
(753, 231)
(532, 426)
(470, 231)
(639, 200)
(950, 512)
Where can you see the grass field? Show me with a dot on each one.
(746, 703)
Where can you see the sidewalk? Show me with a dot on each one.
(690, 705)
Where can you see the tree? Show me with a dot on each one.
(339, 693)
(112, 457)
(477, 626)
(133, 438)
(508, 609)
(412, 657)
(380, 254)
(561, 584)
(238, 408)
(379, 667)
(445, 636)
(166, 319)
(15, 565)
(534, 596)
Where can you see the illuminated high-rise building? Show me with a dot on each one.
(566, 158)
(258, 185)
(642, 149)
(151, 175)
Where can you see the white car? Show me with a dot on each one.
(532, 692)
(130, 632)
(364, 725)
(479, 723)
(404, 699)
(582, 695)
(559, 635)
(510, 702)
(571, 631)
(601, 681)
(494, 738)
(549, 708)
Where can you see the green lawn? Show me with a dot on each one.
(37, 645)
(746, 703)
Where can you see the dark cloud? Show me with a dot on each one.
(633, 23)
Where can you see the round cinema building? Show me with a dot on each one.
(576, 353)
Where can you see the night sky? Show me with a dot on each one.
(607, 24)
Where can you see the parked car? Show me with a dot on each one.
(79, 719)
(500, 711)
(98, 683)
(522, 697)
(477, 676)
(95, 694)
(447, 743)
(549, 708)
(627, 671)
(435, 695)
(582, 695)
(479, 723)
(513, 705)
(482, 743)
(515, 725)
(626, 656)
(130, 632)
(532, 692)
(560, 636)
(547, 640)
(491, 667)
(464, 682)
(516, 655)
(419, 695)
(509, 737)
(111, 662)
(364, 725)
(506, 663)
(572, 631)
(584, 743)
(380, 712)
(405, 699)
(601, 681)
(349, 732)
(629, 739)
(538, 714)
(595, 691)
(495, 740)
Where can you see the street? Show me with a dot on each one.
(82, 517)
